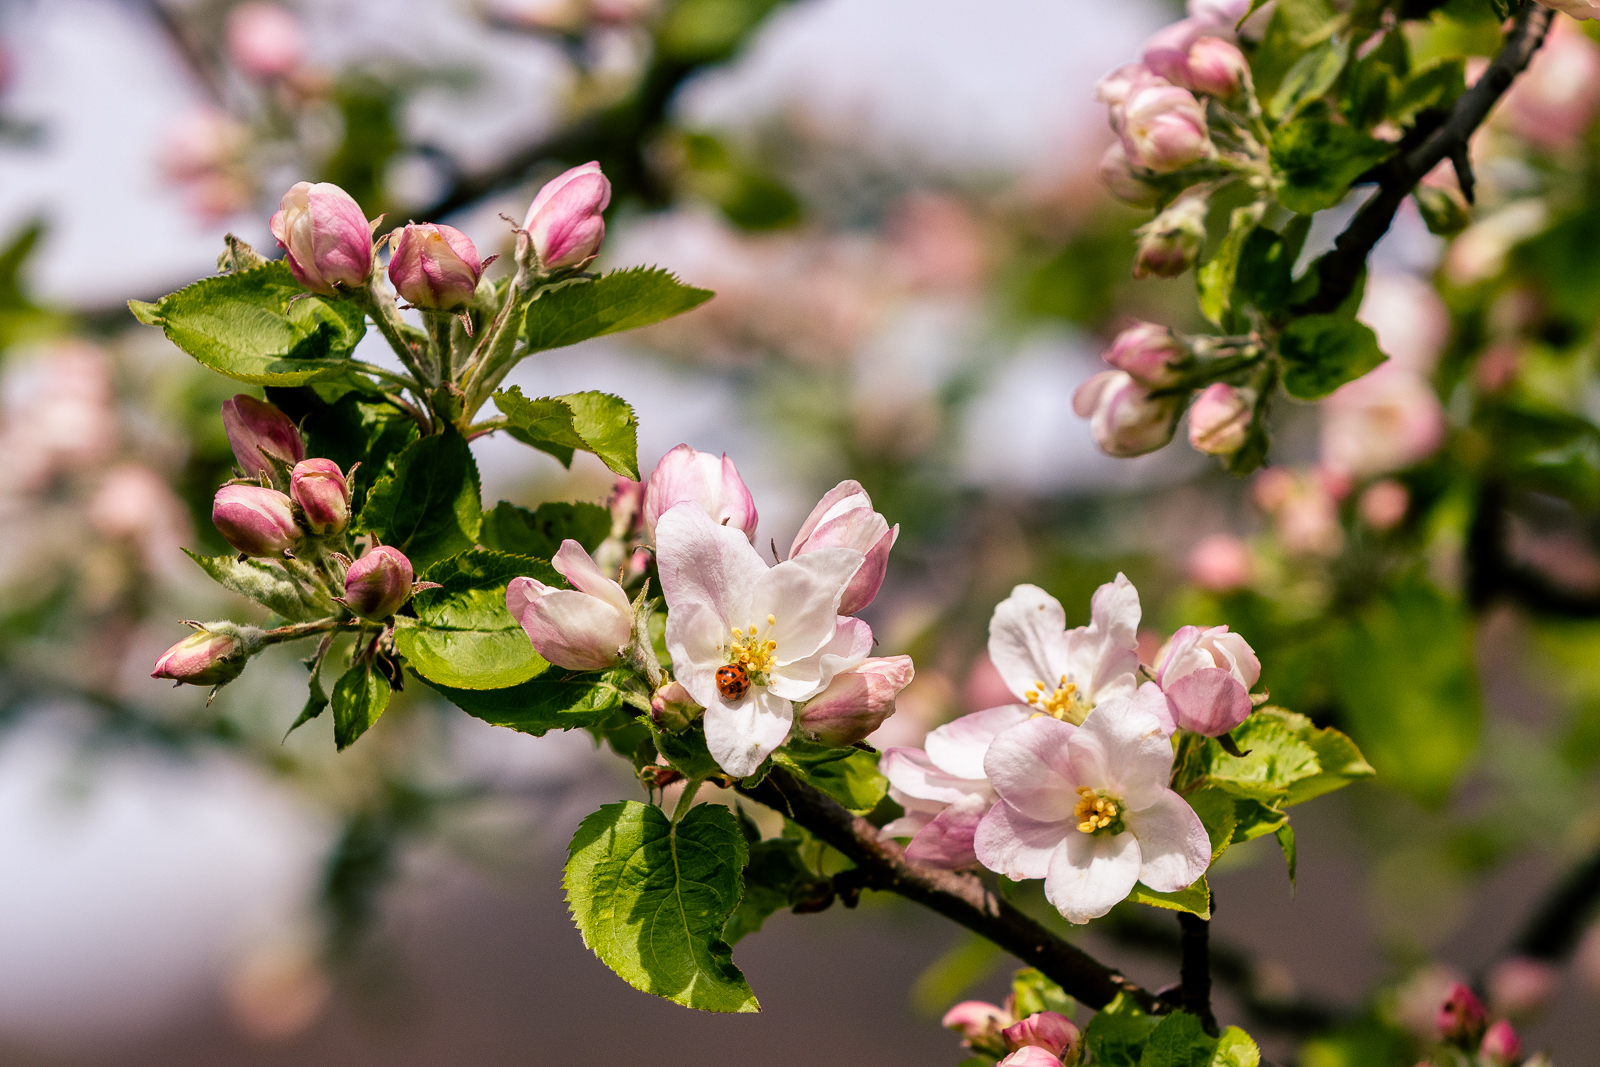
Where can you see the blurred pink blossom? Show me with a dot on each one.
(1221, 563)
(1385, 421)
(1383, 505)
(1306, 514)
(1409, 317)
(1521, 986)
(134, 504)
(1554, 101)
(265, 40)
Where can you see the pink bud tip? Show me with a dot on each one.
(1500, 1047)
(320, 488)
(565, 224)
(255, 520)
(257, 430)
(435, 267)
(710, 480)
(1462, 1017)
(377, 584)
(326, 237)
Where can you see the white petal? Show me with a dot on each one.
(694, 639)
(521, 592)
(846, 490)
(1122, 747)
(1027, 639)
(1010, 843)
(850, 645)
(907, 825)
(802, 594)
(1114, 612)
(579, 568)
(947, 840)
(1091, 874)
(1029, 766)
(701, 562)
(910, 771)
(1173, 845)
(741, 735)
(575, 630)
(958, 747)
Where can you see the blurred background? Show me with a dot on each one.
(896, 202)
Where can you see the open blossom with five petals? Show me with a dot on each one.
(1088, 809)
(1065, 672)
(582, 628)
(943, 789)
(780, 626)
(844, 518)
(1207, 676)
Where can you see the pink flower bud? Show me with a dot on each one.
(255, 520)
(1167, 51)
(1221, 563)
(1049, 1030)
(583, 628)
(844, 519)
(319, 487)
(264, 40)
(1462, 1017)
(256, 430)
(378, 584)
(1500, 1046)
(1207, 676)
(1148, 353)
(1164, 128)
(564, 224)
(1114, 89)
(1219, 419)
(626, 504)
(857, 701)
(434, 267)
(1030, 1056)
(1124, 418)
(326, 236)
(1384, 504)
(711, 481)
(978, 1022)
(1214, 67)
(1521, 986)
(205, 657)
(1169, 243)
(672, 708)
(1118, 176)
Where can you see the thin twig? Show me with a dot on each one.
(1195, 973)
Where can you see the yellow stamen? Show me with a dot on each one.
(772, 620)
(1063, 701)
(753, 653)
(1093, 812)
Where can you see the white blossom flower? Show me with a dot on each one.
(1207, 676)
(1065, 672)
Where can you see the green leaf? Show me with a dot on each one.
(585, 422)
(358, 700)
(551, 701)
(463, 635)
(770, 878)
(1117, 1033)
(1285, 836)
(1264, 276)
(1432, 87)
(1315, 160)
(848, 775)
(1322, 352)
(688, 753)
(1341, 761)
(1235, 1048)
(1274, 759)
(429, 507)
(1218, 814)
(1196, 899)
(259, 326)
(621, 300)
(266, 584)
(1178, 1041)
(1295, 27)
(354, 429)
(651, 899)
(1032, 993)
(1215, 278)
(540, 532)
(1256, 818)
(316, 697)
(1312, 75)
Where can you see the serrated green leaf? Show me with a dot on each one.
(463, 635)
(1315, 159)
(1322, 352)
(429, 507)
(1274, 760)
(358, 700)
(555, 700)
(1256, 818)
(539, 532)
(259, 326)
(1178, 1041)
(1215, 277)
(1266, 261)
(1118, 1032)
(688, 753)
(316, 696)
(1312, 75)
(621, 300)
(651, 899)
(848, 775)
(1341, 761)
(1295, 27)
(1235, 1048)
(770, 878)
(266, 584)
(1218, 814)
(1195, 899)
(588, 422)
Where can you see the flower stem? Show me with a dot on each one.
(686, 801)
(1195, 972)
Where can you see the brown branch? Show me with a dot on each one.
(958, 896)
(1338, 271)
(1194, 995)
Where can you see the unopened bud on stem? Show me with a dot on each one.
(255, 520)
(565, 225)
(320, 488)
(326, 237)
(435, 267)
(215, 654)
(257, 430)
(1169, 243)
(1219, 420)
(378, 584)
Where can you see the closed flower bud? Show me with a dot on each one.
(255, 520)
(672, 708)
(325, 235)
(1219, 420)
(857, 701)
(1462, 1017)
(1118, 176)
(1148, 353)
(1500, 1047)
(1521, 986)
(1124, 418)
(583, 628)
(1169, 243)
(264, 40)
(1215, 67)
(378, 584)
(1164, 128)
(320, 488)
(711, 481)
(211, 656)
(1114, 89)
(435, 267)
(1030, 1056)
(979, 1023)
(565, 225)
(1049, 1030)
(256, 430)
(844, 519)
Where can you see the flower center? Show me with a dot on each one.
(1064, 702)
(753, 651)
(1097, 813)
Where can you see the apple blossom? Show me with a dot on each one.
(1578, 9)
(1048, 1030)
(671, 707)
(320, 488)
(1500, 1047)
(434, 266)
(1124, 418)
(857, 701)
(255, 520)
(1462, 1017)
(205, 657)
(980, 1023)
(1214, 67)
(779, 627)
(1114, 89)
(1520, 986)
(326, 237)
(265, 40)
(1167, 52)
(1221, 563)
(1030, 1056)
(583, 628)
(844, 518)
(1087, 808)
(1384, 421)
(1062, 672)
(379, 583)
(258, 430)
(1169, 243)
(1164, 127)
(1118, 176)
(564, 226)
(1207, 676)
(1220, 418)
(1384, 504)
(1555, 100)
(1147, 352)
(712, 482)
(942, 786)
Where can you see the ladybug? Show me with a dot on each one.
(733, 682)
